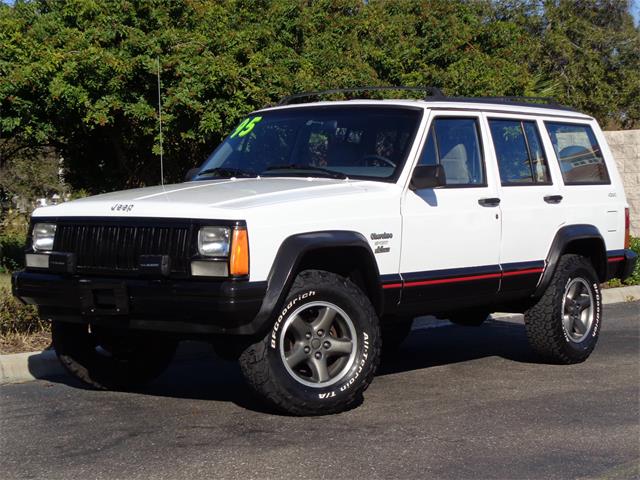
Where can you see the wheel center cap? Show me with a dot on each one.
(315, 343)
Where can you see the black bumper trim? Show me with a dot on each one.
(181, 306)
(621, 263)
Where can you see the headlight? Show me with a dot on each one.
(42, 236)
(213, 241)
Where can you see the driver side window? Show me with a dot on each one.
(454, 143)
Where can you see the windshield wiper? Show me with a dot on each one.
(225, 172)
(325, 171)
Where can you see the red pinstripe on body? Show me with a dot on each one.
(466, 278)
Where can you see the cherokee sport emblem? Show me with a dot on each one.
(381, 242)
(122, 207)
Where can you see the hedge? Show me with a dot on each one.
(11, 252)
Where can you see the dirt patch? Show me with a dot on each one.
(24, 342)
(21, 329)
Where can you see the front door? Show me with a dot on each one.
(451, 234)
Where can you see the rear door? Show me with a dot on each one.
(530, 199)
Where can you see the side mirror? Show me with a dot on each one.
(428, 176)
(191, 173)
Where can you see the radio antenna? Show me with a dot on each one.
(160, 125)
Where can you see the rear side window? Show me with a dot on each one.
(519, 151)
(579, 154)
(454, 143)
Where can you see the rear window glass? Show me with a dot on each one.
(519, 151)
(579, 154)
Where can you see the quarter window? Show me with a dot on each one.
(519, 152)
(579, 154)
(454, 143)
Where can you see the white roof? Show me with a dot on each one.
(483, 105)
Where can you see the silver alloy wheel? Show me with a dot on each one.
(318, 344)
(577, 310)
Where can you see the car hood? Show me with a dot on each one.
(204, 199)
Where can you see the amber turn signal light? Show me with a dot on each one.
(239, 260)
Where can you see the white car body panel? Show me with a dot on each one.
(599, 205)
(443, 220)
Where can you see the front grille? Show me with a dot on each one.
(109, 248)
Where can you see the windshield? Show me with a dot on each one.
(337, 142)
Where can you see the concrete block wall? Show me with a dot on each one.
(625, 146)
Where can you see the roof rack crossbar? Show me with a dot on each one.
(431, 92)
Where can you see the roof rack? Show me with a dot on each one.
(430, 92)
(434, 94)
(519, 101)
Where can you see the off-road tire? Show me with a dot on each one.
(543, 321)
(472, 318)
(265, 371)
(77, 348)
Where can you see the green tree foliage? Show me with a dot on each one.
(31, 177)
(591, 51)
(80, 75)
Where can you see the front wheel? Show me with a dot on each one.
(563, 326)
(322, 351)
(108, 358)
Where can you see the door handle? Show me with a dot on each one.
(489, 202)
(553, 198)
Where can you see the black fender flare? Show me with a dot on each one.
(564, 236)
(287, 260)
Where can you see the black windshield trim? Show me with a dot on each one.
(301, 169)
(223, 172)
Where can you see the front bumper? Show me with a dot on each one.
(181, 306)
(621, 264)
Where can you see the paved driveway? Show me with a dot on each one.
(457, 403)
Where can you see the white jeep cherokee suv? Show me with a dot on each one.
(316, 230)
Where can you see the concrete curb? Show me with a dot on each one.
(621, 294)
(28, 366)
(25, 367)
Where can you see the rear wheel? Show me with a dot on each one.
(563, 326)
(322, 351)
(108, 358)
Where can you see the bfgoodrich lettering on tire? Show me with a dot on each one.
(563, 326)
(322, 351)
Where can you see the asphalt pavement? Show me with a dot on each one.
(455, 403)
